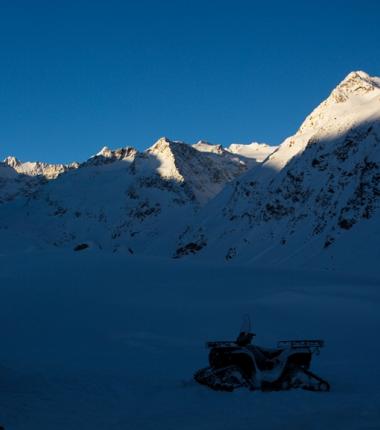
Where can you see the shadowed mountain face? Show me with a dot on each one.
(305, 203)
(314, 198)
(19, 179)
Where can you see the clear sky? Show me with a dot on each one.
(78, 75)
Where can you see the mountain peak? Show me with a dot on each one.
(105, 152)
(355, 83)
(357, 74)
(204, 146)
(163, 144)
(107, 155)
(12, 161)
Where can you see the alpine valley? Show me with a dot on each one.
(306, 203)
(115, 271)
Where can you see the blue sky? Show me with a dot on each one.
(75, 76)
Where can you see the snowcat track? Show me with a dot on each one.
(321, 385)
(224, 379)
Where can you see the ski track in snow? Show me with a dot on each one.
(98, 341)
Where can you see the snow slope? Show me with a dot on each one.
(119, 200)
(13, 184)
(311, 200)
(104, 342)
(250, 155)
(18, 179)
(258, 151)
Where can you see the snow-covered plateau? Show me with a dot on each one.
(115, 271)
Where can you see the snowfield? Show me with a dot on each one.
(96, 341)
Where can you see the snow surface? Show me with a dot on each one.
(258, 151)
(99, 341)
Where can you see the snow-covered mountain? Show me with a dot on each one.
(249, 155)
(257, 151)
(119, 199)
(37, 168)
(309, 202)
(314, 201)
(23, 179)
